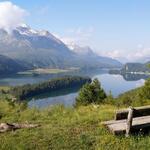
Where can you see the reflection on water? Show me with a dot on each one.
(135, 77)
(62, 92)
(31, 79)
(117, 84)
(64, 96)
(67, 100)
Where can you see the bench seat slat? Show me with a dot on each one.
(119, 126)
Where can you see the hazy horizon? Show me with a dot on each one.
(118, 29)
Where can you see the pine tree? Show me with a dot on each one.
(91, 93)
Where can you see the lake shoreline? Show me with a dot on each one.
(108, 82)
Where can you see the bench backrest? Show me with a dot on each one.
(138, 112)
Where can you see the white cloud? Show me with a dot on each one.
(115, 54)
(140, 55)
(11, 15)
(80, 36)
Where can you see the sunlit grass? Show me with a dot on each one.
(65, 128)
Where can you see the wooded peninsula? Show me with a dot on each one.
(28, 90)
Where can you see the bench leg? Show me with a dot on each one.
(129, 121)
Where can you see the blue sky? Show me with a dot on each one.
(121, 26)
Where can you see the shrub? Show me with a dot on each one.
(145, 91)
(91, 93)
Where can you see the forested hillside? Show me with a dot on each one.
(8, 66)
(135, 67)
(26, 91)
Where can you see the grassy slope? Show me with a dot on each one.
(132, 98)
(47, 71)
(65, 128)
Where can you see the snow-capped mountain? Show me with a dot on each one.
(42, 49)
(81, 50)
(26, 30)
(87, 53)
(37, 48)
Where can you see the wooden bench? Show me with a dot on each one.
(130, 120)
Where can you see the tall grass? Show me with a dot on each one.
(65, 128)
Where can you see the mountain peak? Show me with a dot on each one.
(44, 32)
(81, 50)
(26, 30)
(24, 25)
(42, 49)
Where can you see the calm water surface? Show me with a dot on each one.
(117, 84)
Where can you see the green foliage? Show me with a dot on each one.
(26, 91)
(136, 97)
(65, 128)
(73, 128)
(91, 93)
(110, 99)
(145, 90)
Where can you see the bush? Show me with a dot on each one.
(145, 91)
(91, 93)
(135, 97)
(110, 99)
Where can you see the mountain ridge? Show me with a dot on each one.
(10, 66)
(41, 49)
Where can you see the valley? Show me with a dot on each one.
(74, 73)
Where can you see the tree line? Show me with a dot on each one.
(30, 90)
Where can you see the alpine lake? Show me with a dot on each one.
(116, 84)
